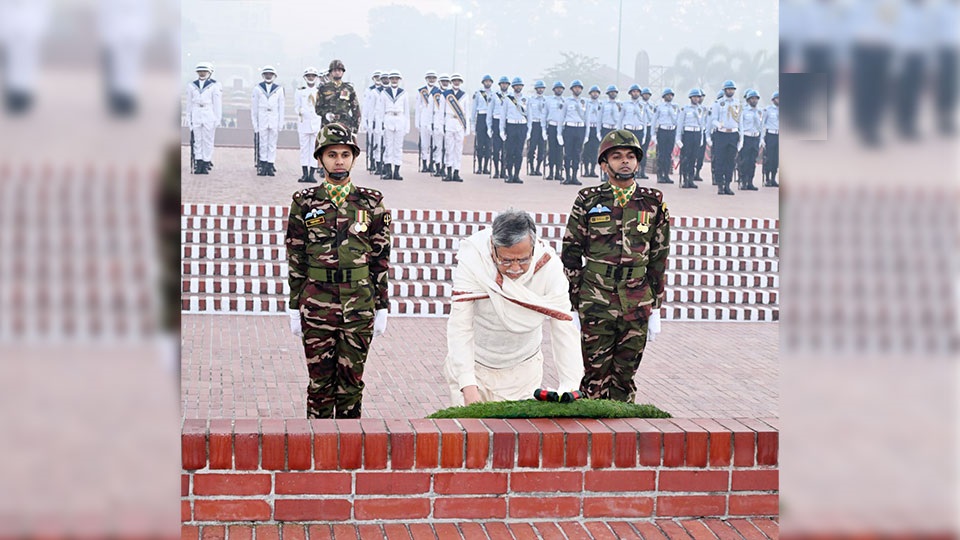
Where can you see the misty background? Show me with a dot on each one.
(677, 44)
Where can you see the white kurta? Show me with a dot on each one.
(267, 115)
(493, 341)
(308, 123)
(204, 111)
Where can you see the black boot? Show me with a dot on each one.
(726, 189)
(261, 168)
(573, 179)
(303, 177)
(396, 173)
(311, 179)
(198, 167)
(536, 171)
(449, 174)
(456, 176)
(486, 165)
(748, 185)
(773, 179)
(378, 169)
(549, 175)
(387, 172)
(271, 170)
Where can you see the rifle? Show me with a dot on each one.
(382, 167)
(419, 150)
(432, 148)
(193, 161)
(370, 162)
(256, 149)
(475, 154)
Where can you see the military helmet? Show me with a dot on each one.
(384, 74)
(776, 95)
(268, 69)
(666, 91)
(504, 79)
(539, 84)
(486, 77)
(620, 138)
(456, 77)
(444, 77)
(311, 71)
(637, 88)
(612, 88)
(594, 88)
(729, 84)
(395, 73)
(695, 92)
(516, 81)
(558, 84)
(430, 73)
(576, 82)
(376, 74)
(335, 133)
(645, 90)
(751, 93)
(204, 66)
(336, 64)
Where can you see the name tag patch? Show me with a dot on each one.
(314, 222)
(599, 219)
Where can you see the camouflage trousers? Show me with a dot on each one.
(612, 350)
(337, 331)
(336, 356)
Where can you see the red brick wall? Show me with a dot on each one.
(265, 471)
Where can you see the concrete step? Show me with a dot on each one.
(468, 216)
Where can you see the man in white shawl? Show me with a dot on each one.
(507, 284)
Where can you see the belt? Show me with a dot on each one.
(573, 124)
(773, 131)
(338, 275)
(631, 127)
(609, 126)
(201, 105)
(392, 113)
(618, 273)
(667, 127)
(551, 123)
(751, 133)
(726, 130)
(692, 129)
(481, 113)
(536, 121)
(516, 121)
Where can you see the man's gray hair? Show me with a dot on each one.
(512, 226)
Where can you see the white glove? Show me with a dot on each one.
(576, 319)
(295, 327)
(740, 145)
(528, 135)
(653, 325)
(679, 144)
(489, 134)
(380, 323)
(560, 139)
(762, 143)
(598, 135)
(544, 135)
(502, 135)
(709, 141)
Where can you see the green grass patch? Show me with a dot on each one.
(531, 408)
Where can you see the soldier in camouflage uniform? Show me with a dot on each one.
(622, 230)
(338, 250)
(337, 101)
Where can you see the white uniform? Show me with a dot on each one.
(125, 27)
(23, 24)
(267, 115)
(423, 114)
(308, 124)
(456, 126)
(204, 111)
(438, 123)
(393, 121)
(368, 108)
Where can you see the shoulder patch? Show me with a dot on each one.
(304, 193)
(372, 194)
(651, 193)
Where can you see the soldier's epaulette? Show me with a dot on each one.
(304, 193)
(651, 193)
(372, 194)
(588, 191)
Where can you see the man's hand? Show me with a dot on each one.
(740, 145)
(295, 327)
(762, 143)
(489, 134)
(679, 144)
(380, 323)
(560, 139)
(471, 394)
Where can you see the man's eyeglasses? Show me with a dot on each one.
(511, 262)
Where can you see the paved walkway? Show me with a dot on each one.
(234, 180)
(237, 366)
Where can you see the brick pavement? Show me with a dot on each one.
(236, 366)
(234, 180)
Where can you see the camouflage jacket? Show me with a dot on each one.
(340, 100)
(355, 234)
(616, 239)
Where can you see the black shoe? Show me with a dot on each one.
(378, 170)
(311, 179)
(456, 176)
(667, 180)
(549, 175)
(748, 186)
(697, 178)
(271, 170)
(261, 168)
(396, 173)
(689, 184)
(386, 172)
(727, 190)
(303, 177)
(486, 168)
